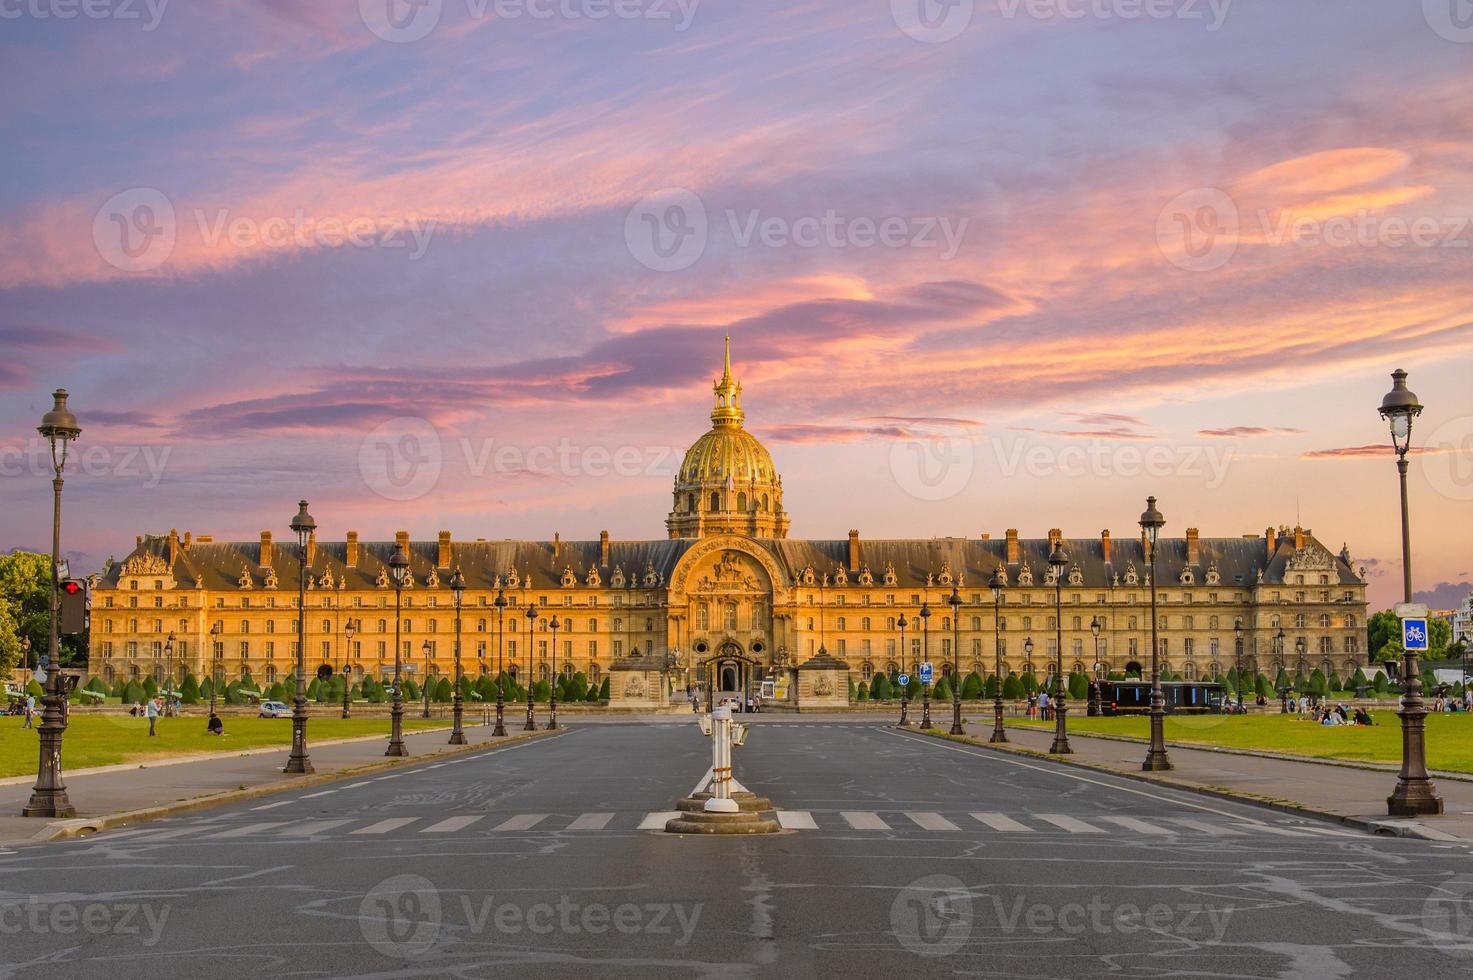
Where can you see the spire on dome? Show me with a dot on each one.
(728, 410)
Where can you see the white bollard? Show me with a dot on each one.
(721, 801)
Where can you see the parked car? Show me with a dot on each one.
(274, 709)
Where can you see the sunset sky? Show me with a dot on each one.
(983, 266)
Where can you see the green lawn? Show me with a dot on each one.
(1449, 736)
(104, 740)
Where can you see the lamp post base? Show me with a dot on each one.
(500, 730)
(551, 716)
(396, 732)
(926, 715)
(299, 763)
(956, 719)
(1414, 800)
(1156, 761)
(531, 725)
(904, 721)
(1060, 744)
(457, 735)
(49, 803)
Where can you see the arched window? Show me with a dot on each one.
(764, 502)
(742, 502)
(690, 502)
(715, 500)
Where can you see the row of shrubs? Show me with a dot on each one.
(574, 687)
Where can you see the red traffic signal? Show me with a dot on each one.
(74, 587)
(72, 618)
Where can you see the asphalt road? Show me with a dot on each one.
(909, 857)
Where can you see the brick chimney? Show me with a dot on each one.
(1013, 554)
(446, 554)
(1268, 536)
(854, 551)
(311, 548)
(557, 545)
(986, 536)
(401, 542)
(1194, 548)
(351, 555)
(1054, 534)
(173, 546)
(266, 554)
(603, 548)
(1105, 544)
(188, 540)
(1298, 538)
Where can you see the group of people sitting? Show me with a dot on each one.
(1338, 715)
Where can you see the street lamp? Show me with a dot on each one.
(925, 615)
(427, 683)
(1057, 560)
(457, 588)
(169, 684)
(955, 601)
(1415, 793)
(1279, 657)
(1238, 660)
(531, 725)
(398, 569)
(552, 686)
(1299, 660)
(49, 797)
(905, 689)
(1094, 680)
(350, 630)
(500, 729)
(216, 647)
(997, 585)
(1156, 759)
(302, 525)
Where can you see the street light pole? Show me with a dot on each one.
(999, 734)
(49, 797)
(552, 686)
(398, 568)
(925, 615)
(905, 689)
(1094, 674)
(531, 725)
(169, 685)
(1157, 760)
(1279, 657)
(350, 630)
(1415, 793)
(457, 711)
(1057, 560)
(215, 645)
(500, 729)
(1238, 660)
(427, 683)
(955, 601)
(299, 763)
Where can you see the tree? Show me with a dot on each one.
(972, 687)
(942, 690)
(1078, 686)
(1317, 684)
(1358, 680)
(1381, 629)
(858, 692)
(1381, 684)
(444, 691)
(189, 690)
(1282, 680)
(1336, 684)
(150, 687)
(1012, 687)
(880, 689)
(410, 689)
(276, 693)
(25, 611)
(134, 693)
(34, 689)
(1440, 632)
(989, 690)
(1029, 682)
(603, 690)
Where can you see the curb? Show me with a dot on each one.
(1381, 827)
(69, 829)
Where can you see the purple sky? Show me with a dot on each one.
(985, 265)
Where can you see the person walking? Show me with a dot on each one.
(151, 711)
(30, 711)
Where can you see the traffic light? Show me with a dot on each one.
(73, 615)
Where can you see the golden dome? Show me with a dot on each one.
(727, 452)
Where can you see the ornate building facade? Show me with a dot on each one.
(728, 597)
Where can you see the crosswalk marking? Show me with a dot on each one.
(864, 820)
(1210, 829)
(313, 827)
(591, 821)
(931, 821)
(796, 820)
(384, 826)
(1270, 829)
(1003, 822)
(524, 821)
(1140, 826)
(246, 831)
(452, 824)
(1072, 824)
(657, 821)
(172, 834)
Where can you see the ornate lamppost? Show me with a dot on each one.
(49, 797)
(1057, 560)
(1299, 661)
(169, 685)
(1415, 793)
(552, 687)
(298, 762)
(350, 630)
(925, 615)
(216, 648)
(905, 690)
(500, 603)
(457, 711)
(1094, 674)
(428, 651)
(1279, 658)
(398, 569)
(531, 725)
(997, 585)
(1238, 660)
(1157, 760)
(955, 601)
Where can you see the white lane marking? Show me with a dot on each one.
(384, 826)
(247, 830)
(312, 828)
(452, 824)
(864, 820)
(591, 821)
(1008, 759)
(931, 821)
(1265, 828)
(394, 776)
(439, 765)
(313, 796)
(658, 819)
(796, 820)
(1003, 822)
(1140, 826)
(272, 806)
(356, 785)
(523, 821)
(1202, 826)
(1072, 824)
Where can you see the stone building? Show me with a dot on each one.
(729, 596)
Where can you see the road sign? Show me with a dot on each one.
(926, 673)
(1411, 610)
(1414, 634)
(903, 680)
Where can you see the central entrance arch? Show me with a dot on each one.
(729, 672)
